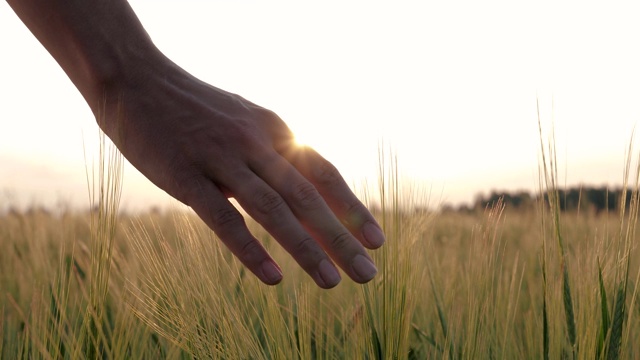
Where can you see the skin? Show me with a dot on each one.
(203, 145)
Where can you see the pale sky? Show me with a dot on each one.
(450, 85)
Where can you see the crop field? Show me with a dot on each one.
(490, 284)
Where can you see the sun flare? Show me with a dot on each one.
(308, 137)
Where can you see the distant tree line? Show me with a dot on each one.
(596, 199)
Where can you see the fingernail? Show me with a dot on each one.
(328, 273)
(373, 235)
(364, 268)
(271, 272)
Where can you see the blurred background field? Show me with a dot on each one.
(485, 282)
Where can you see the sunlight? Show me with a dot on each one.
(302, 140)
(307, 134)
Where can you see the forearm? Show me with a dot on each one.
(98, 43)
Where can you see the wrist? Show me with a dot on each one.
(116, 68)
(116, 55)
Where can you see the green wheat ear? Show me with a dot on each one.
(613, 349)
(568, 308)
(545, 315)
(604, 313)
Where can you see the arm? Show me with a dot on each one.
(203, 145)
(95, 42)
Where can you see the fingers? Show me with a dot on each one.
(215, 210)
(337, 194)
(266, 205)
(303, 203)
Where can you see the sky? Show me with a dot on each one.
(449, 87)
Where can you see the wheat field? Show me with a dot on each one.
(491, 284)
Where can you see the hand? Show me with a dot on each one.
(203, 145)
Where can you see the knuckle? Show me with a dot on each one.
(270, 115)
(187, 186)
(354, 216)
(250, 252)
(306, 195)
(280, 135)
(341, 241)
(269, 202)
(226, 217)
(305, 246)
(327, 174)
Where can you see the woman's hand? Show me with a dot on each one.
(202, 145)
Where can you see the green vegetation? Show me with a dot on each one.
(498, 284)
(577, 198)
